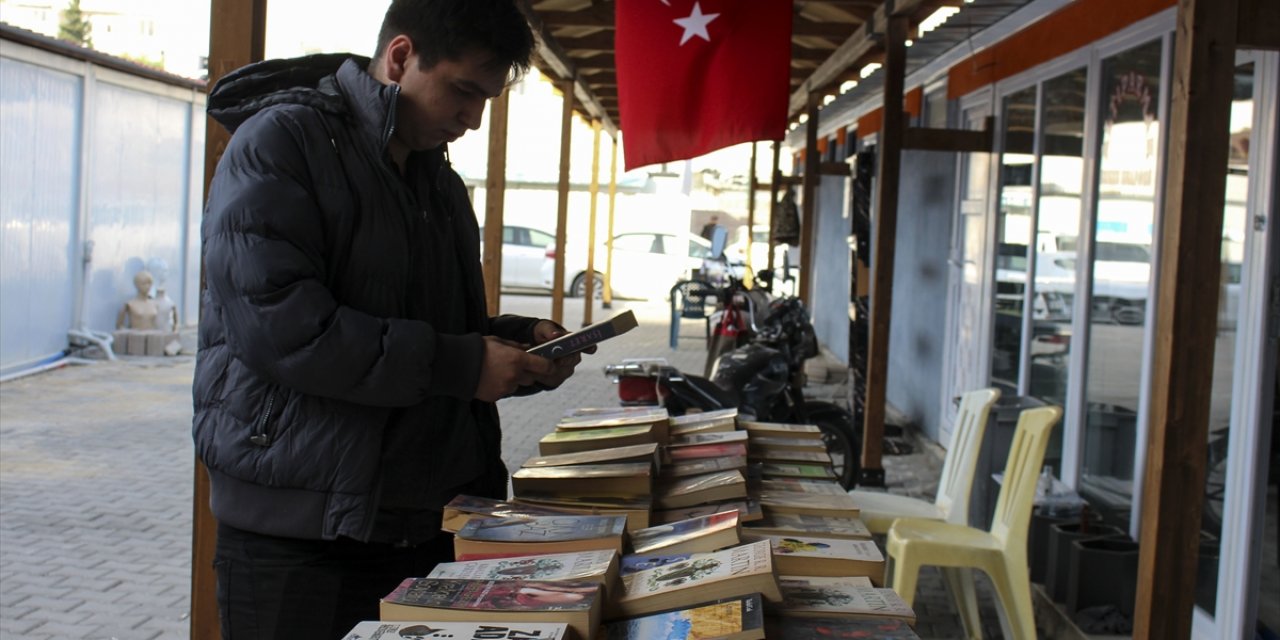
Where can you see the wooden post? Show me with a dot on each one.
(495, 190)
(752, 183)
(607, 302)
(884, 231)
(237, 36)
(1186, 317)
(589, 298)
(809, 209)
(775, 183)
(562, 209)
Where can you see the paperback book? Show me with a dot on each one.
(695, 452)
(656, 421)
(636, 510)
(711, 487)
(723, 437)
(633, 563)
(699, 466)
(797, 470)
(496, 602)
(588, 439)
(463, 508)
(793, 628)
(748, 509)
(713, 426)
(541, 535)
(694, 535)
(647, 452)
(626, 480)
(764, 443)
(702, 577)
(819, 556)
(781, 430)
(799, 524)
(841, 506)
(819, 597)
(737, 618)
(704, 416)
(586, 337)
(797, 485)
(584, 566)
(765, 454)
(382, 630)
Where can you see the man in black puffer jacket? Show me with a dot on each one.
(347, 371)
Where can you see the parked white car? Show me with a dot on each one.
(523, 251)
(645, 264)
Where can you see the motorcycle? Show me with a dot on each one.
(763, 378)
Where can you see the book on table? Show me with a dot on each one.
(589, 439)
(620, 480)
(797, 470)
(576, 604)
(711, 426)
(828, 597)
(799, 524)
(840, 506)
(798, 485)
(632, 563)
(766, 454)
(710, 487)
(386, 630)
(600, 566)
(586, 337)
(693, 439)
(794, 628)
(819, 556)
(771, 444)
(637, 510)
(701, 417)
(699, 534)
(748, 509)
(463, 508)
(583, 412)
(736, 618)
(781, 430)
(694, 452)
(735, 571)
(491, 537)
(647, 452)
(656, 420)
(700, 466)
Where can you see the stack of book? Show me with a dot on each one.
(631, 525)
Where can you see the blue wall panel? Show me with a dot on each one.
(832, 261)
(39, 151)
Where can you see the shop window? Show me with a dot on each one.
(1013, 235)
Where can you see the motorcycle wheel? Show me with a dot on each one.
(844, 450)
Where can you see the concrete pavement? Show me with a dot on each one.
(96, 468)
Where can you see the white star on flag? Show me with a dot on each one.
(696, 24)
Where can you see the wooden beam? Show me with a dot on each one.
(1258, 26)
(598, 15)
(850, 51)
(752, 184)
(1186, 317)
(495, 191)
(810, 55)
(607, 294)
(562, 206)
(808, 205)
(835, 169)
(884, 247)
(775, 184)
(553, 60)
(237, 37)
(792, 181)
(589, 297)
(598, 41)
(959, 140)
(840, 30)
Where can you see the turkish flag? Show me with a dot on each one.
(696, 76)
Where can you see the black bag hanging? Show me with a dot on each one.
(787, 228)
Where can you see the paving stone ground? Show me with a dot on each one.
(96, 485)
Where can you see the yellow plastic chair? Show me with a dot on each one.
(1001, 552)
(880, 509)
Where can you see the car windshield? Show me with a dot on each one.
(696, 250)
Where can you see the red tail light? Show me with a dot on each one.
(551, 253)
(633, 390)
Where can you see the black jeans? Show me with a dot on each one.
(272, 588)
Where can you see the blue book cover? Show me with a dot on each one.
(711, 620)
(635, 562)
(543, 528)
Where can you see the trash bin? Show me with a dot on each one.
(994, 454)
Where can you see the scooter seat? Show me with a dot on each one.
(726, 398)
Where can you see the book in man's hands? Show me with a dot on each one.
(586, 337)
(822, 597)
(547, 534)
(383, 630)
(576, 604)
(737, 618)
(735, 571)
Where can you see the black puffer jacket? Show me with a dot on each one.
(318, 339)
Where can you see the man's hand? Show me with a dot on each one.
(506, 367)
(547, 330)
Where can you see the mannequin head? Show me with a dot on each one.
(142, 282)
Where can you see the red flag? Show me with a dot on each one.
(696, 76)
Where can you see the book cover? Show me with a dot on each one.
(766, 443)
(701, 577)
(797, 485)
(583, 566)
(704, 416)
(815, 596)
(705, 451)
(632, 563)
(463, 508)
(766, 454)
(792, 628)
(808, 555)
(582, 412)
(797, 470)
(749, 510)
(636, 510)
(607, 480)
(647, 452)
(714, 426)
(587, 439)
(698, 534)
(699, 466)
(606, 421)
(842, 506)
(576, 604)
(684, 492)
(738, 618)
(560, 528)
(791, 524)
(723, 437)
(381, 630)
(586, 337)
(782, 430)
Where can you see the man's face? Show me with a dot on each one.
(440, 103)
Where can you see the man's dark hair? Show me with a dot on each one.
(446, 29)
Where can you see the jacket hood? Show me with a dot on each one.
(309, 80)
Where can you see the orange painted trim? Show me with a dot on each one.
(870, 123)
(1060, 33)
(913, 101)
(822, 145)
(842, 136)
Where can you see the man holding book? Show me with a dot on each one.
(347, 372)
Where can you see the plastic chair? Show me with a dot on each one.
(880, 509)
(689, 300)
(1001, 552)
